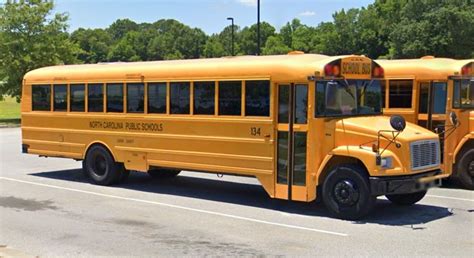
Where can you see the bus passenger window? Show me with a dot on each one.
(257, 98)
(179, 98)
(135, 98)
(95, 98)
(230, 98)
(60, 97)
(400, 93)
(115, 97)
(41, 97)
(204, 102)
(77, 97)
(157, 98)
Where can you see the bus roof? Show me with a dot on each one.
(429, 68)
(294, 66)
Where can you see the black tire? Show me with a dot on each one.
(163, 173)
(464, 175)
(406, 199)
(346, 192)
(101, 168)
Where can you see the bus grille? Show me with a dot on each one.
(424, 154)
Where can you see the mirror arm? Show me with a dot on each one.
(395, 134)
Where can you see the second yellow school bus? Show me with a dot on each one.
(302, 124)
(425, 91)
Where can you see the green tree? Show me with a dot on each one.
(31, 37)
(439, 28)
(275, 46)
(286, 32)
(225, 39)
(121, 27)
(124, 50)
(214, 47)
(175, 40)
(248, 38)
(94, 43)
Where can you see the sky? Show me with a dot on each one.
(208, 15)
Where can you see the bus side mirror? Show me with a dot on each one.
(453, 118)
(398, 123)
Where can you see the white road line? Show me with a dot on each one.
(452, 198)
(178, 207)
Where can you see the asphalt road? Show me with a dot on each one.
(48, 208)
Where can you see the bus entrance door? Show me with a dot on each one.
(432, 105)
(291, 143)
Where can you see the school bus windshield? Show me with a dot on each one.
(348, 97)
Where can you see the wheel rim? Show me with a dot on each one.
(470, 168)
(346, 193)
(99, 166)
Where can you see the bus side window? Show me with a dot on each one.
(95, 97)
(230, 98)
(401, 93)
(60, 97)
(77, 97)
(115, 97)
(157, 98)
(41, 97)
(135, 98)
(179, 97)
(204, 101)
(257, 98)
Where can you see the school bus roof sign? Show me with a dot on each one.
(356, 67)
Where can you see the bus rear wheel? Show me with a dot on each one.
(163, 173)
(346, 192)
(406, 199)
(101, 168)
(465, 170)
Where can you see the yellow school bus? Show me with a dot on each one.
(302, 124)
(425, 91)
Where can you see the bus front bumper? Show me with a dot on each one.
(405, 184)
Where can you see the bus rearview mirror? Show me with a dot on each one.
(398, 123)
(453, 118)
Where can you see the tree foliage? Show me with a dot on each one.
(31, 37)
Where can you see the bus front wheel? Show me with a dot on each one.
(346, 192)
(406, 199)
(101, 168)
(465, 169)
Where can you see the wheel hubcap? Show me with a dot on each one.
(346, 193)
(100, 165)
(470, 168)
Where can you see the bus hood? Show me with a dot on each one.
(360, 129)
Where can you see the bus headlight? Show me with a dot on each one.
(386, 162)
